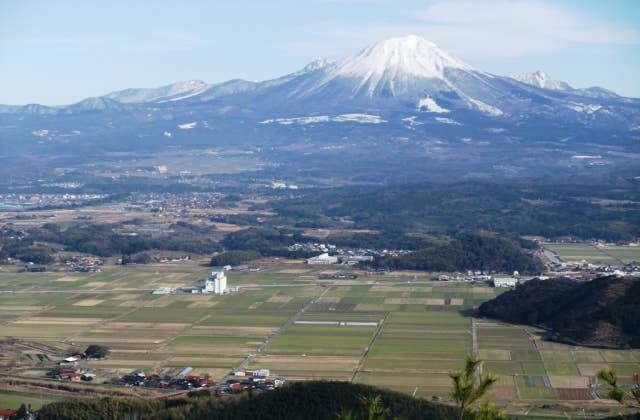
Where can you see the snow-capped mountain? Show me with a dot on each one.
(403, 74)
(401, 88)
(540, 79)
(391, 67)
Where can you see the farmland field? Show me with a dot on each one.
(421, 331)
(596, 254)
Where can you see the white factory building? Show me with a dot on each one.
(505, 282)
(322, 259)
(216, 283)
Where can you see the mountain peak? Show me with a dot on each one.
(402, 56)
(540, 79)
(393, 66)
(316, 64)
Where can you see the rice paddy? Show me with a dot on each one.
(421, 333)
(596, 254)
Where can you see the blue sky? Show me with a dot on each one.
(59, 52)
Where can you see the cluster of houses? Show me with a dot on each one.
(340, 275)
(84, 264)
(354, 255)
(253, 379)
(184, 381)
(68, 369)
(170, 259)
(345, 259)
(588, 270)
(180, 382)
(74, 374)
(7, 414)
(597, 242)
(492, 278)
(176, 204)
(33, 201)
(280, 185)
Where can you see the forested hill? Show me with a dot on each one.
(602, 312)
(471, 251)
(308, 400)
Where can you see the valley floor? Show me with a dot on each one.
(417, 331)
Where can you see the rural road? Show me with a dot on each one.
(477, 376)
(276, 333)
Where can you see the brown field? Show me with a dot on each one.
(279, 299)
(235, 331)
(58, 321)
(330, 299)
(203, 304)
(68, 279)
(494, 354)
(503, 393)
(295, 362)
(569, 381)
(591, 369)
(333, 307)
(414, 351)
(88, 302)
(97, 284)
(437, 302)
(294, 271)
(573, 394)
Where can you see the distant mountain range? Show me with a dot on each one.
(403, 88)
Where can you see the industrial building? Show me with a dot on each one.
(505, 282)
(322, 259)
(216, 283)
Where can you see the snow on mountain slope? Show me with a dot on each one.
(398, 57)
(429, 105)
(355, 118)
(392, 80)
(316, 64)
(540, 79)
(391, 67)
(406, 73)
(172, 92)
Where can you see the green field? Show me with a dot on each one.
(13, 400)
(614, 255)
(424, 330)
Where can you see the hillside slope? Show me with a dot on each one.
(308, 400)
(603, 312)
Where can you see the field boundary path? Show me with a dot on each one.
(73, 291)
(477, 376)
(374, 336)
(276, 333)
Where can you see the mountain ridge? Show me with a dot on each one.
(390, 58)
(398, 90)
